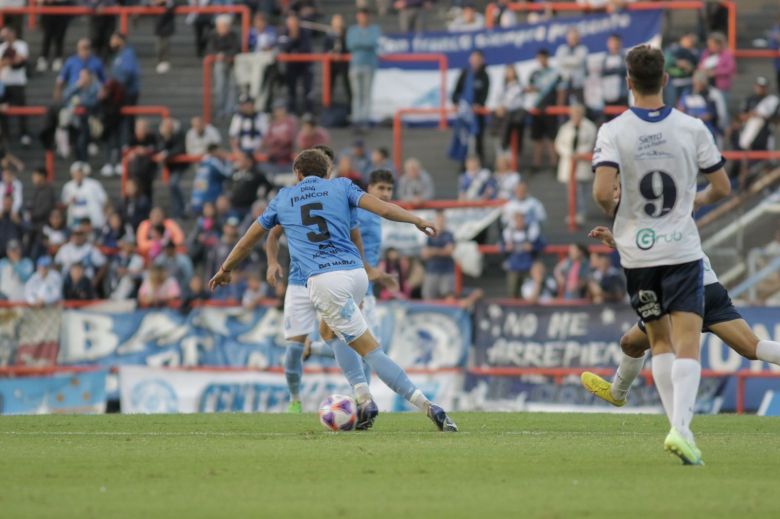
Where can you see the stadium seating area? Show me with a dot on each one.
(139, 145)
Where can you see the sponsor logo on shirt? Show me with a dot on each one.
(646, 238)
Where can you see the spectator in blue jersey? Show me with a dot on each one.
(247, 127)
(126, 71)
(439, 281)
(521, 241)
(476, 182)
(262, 35)
(614, 90)
(470, 95)
(571, 59)
(541, 93)
(297, 40)
(81, 100)
(71, 70)
(209, 178)
(363, 44)
(15, 270)
(707, 103)
(681, 61)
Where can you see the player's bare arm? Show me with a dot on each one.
(275, 271)
(242, 249)
(604, 188)
(604, 235)
(375, 275)
(719, 187)
(396, 213)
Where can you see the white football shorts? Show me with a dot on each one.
(337, 296)
(300, 317)
(369, 314)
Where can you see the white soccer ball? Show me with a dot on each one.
(338, 413)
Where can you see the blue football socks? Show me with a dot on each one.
(293, 368)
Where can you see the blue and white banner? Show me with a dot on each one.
(79, 392)
(416, 335)
(417, 84)
(168, 390)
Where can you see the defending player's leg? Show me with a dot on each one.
(634, 345)
(686, 375)
(659, 335)
(738, 335)
(293, 371)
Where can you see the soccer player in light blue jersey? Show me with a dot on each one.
(315, 215)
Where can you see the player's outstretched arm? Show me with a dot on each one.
(604, 188)
(275, 271)
(396, 213)
(719, 187)
(604, 235)
(237, 255)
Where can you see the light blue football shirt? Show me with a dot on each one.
(317, 216)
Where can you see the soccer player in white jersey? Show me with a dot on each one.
(316, 217)
(656, 153)
(720, 318)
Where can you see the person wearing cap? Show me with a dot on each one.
(363, 44)
(209, 179)
(44, 288)
(279, 141)
(224, 44)
(78, 249)
(467, 20)
(84, 196)
(297, 40)
(247, 127)
(176, 264)
(15, 270)
(125, 270)
(311, 134)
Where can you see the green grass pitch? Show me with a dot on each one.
(279, 466)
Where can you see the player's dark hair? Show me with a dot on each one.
(327, 150)
(646, 69)
(381, 176)
(312, 163)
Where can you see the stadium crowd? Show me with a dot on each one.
(84, 243)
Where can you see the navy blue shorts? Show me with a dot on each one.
(718, 307)
(657, 291)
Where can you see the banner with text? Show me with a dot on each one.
(416, 335)
(166, 390)
(418, 83)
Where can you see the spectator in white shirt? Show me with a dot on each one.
(571, 60)
(13, 74)
(506, 177)
(524, 203)
(79, 250)
(574, 142)
(84, 196)
(200, 136)
(10, 185)
(44, 288)
(468, 19)
(415, 184)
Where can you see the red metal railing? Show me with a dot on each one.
(124, 14)
(39, 111)
(327, 60)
